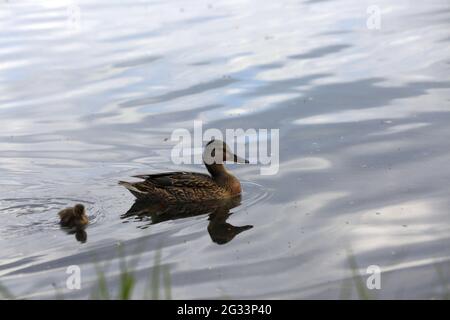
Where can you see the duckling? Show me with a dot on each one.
(74, 217)
(176, 187)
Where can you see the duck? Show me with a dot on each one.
(73, 217)
(176, 187)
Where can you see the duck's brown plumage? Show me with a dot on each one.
(73, 217)
(181, 187)
(189, 186)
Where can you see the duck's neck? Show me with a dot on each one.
(223, 178)
(217, 170)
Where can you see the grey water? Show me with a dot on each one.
(90, 92)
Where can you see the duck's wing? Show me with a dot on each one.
(178, 179)
(174, 186)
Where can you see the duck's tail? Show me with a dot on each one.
(130, 186)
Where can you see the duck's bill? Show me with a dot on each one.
(239, 159)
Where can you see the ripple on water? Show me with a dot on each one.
(253, 194)
(25, 216)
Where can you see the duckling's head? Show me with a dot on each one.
(79, 210)
(217, 152)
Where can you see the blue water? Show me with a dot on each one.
(90, 92)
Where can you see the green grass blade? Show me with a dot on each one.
(359, 281)
(101, 291)
(167, 282)
(5, 293)
(156, 275)
(127, 283)
(443, 281)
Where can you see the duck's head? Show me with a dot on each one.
(217, 152)
(79, 210)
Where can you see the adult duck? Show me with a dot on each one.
(172, 187)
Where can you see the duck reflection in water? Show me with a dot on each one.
(219, 230)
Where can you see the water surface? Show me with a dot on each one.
(90, 92)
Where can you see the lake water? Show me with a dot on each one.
(90, 92)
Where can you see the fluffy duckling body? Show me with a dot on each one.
(74, 217)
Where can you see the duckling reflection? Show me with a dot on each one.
(74, 220)
(80, 234)
(219, 230)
